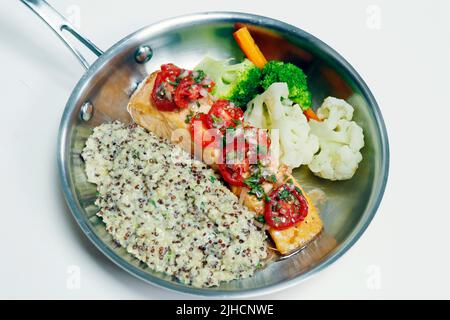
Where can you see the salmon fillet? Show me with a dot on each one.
(174, 127)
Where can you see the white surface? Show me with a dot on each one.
(405, 63)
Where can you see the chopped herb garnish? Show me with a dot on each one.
(252, 180)
(189, 118)
(173, 83)
(199, 76)
(259, 266)
(272, 178)
(299, 190)
(237, 122)
(152, 202)
(284, 194)
(212, 178)
(260, 219)
(216, 119)
(258, 191)
(97, 194)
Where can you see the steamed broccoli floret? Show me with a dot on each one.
(238, 83)
(277, 71)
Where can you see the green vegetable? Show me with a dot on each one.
(254, 184)
(238, 82)
(200, 76)
(216, 119)
(260, 219)
(237, 122)
(278, 71)
(284, 194)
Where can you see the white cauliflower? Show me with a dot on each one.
(340, 141)
(273, 110)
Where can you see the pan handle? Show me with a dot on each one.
(62, 28)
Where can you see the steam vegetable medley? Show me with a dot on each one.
(200, 187)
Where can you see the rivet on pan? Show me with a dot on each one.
(87, 111)
(143, 54)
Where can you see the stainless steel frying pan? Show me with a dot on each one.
(102, 93)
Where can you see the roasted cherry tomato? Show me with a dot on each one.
(234, 164)
(170, 72)
(200, 122)
(175, 88)
(235, 174)
(161, 94)
(285, 207)
(225, 115)
(186, 91)
(164, 87)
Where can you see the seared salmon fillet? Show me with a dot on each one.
(172, 125)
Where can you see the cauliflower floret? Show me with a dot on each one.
(272, 109)
(340, 141)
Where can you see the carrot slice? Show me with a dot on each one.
(249, 47)
(254, 54)
(310, 114)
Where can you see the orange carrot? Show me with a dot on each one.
(251, 50)
(249, 47)
(310, 114)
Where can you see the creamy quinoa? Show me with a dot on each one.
(170, 211)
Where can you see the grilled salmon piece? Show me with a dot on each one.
(172, 125)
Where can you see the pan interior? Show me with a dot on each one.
(349, 205)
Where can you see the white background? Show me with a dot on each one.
(406, 63)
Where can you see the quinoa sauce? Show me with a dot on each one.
(168, 210)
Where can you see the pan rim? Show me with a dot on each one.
(199, 18)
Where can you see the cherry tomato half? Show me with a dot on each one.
(160, 94)
(163, 90)
(234, 174)
(186, 91)
(234, 164)
(285, 207)
(175, 88)
(225, 115)
(170, 71)
(201, 122)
